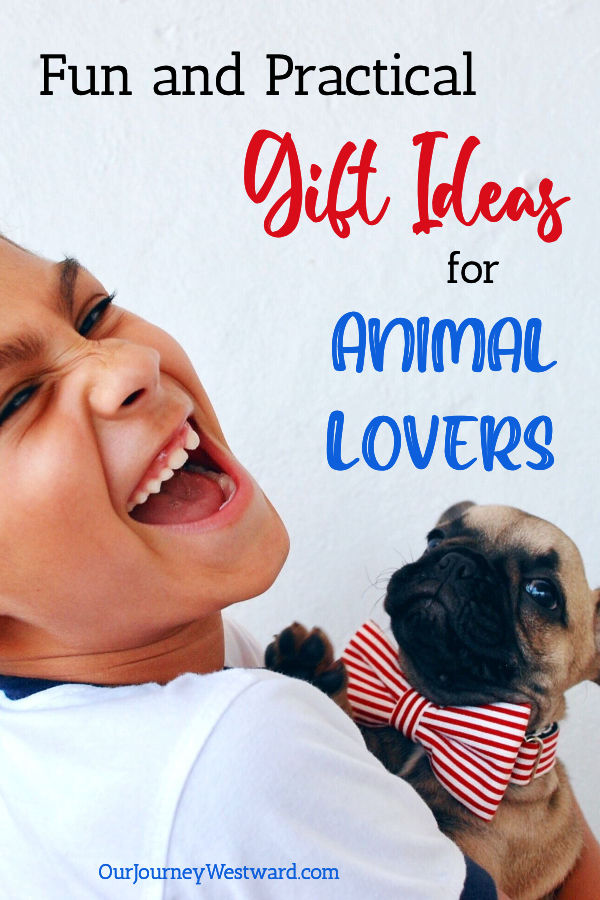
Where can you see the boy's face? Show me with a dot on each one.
(90, 395)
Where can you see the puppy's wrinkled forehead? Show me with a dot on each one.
(506, 531)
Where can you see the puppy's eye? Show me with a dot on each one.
(434, 538)
(542, 592)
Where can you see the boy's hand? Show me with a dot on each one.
(583, 882)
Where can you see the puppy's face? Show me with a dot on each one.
(498, 608)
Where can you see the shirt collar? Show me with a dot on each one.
(15, 687)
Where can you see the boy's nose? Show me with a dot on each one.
(121, 375)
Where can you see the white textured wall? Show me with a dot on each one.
(148, 193)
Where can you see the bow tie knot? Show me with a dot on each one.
(409, 712)
(474, 752)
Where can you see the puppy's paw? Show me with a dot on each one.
(307, 655)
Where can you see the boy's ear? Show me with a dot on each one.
(453, 512)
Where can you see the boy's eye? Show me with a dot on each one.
(16, 402)
(22, 396)
(94, 315)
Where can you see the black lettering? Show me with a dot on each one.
(171, 82)
(48, 74)
(107, 73)
(273, 76)
(188, 80)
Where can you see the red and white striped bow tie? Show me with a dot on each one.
(474, 751)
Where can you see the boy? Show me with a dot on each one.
(126, 527)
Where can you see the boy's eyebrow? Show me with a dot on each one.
(32, 345)
(69, 269)
(26, 347)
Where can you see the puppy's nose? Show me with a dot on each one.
(455, 566)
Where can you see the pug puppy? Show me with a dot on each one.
(498, 609)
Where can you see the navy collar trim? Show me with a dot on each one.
(16, 687)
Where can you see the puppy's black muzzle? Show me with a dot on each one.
(452, 617)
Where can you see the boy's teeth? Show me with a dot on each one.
(177, 458)
(227, 485)
(192, 440)
(175, 461)
(225, 482)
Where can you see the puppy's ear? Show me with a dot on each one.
(596, 673)
(453, 512)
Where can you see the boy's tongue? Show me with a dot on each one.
(187, 497)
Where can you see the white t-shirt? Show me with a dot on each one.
(242, 650)
(241, 768)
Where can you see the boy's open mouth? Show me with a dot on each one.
(182, 484)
